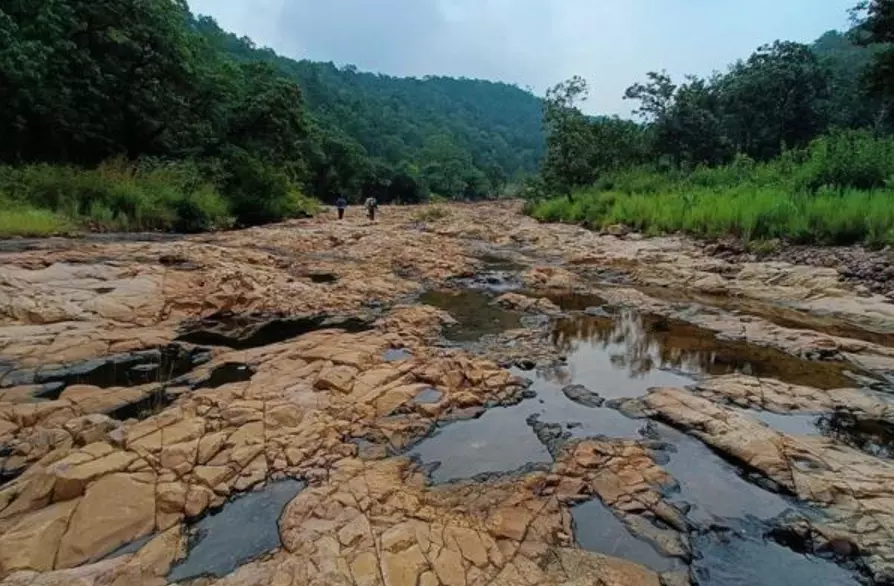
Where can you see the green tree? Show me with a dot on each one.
(566, 165)
(777, 98)
(82, 81)
(875, 28)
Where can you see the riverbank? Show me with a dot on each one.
(454, 401)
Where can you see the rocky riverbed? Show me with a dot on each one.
(474, 400)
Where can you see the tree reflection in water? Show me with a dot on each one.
(641, 343)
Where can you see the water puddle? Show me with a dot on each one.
(504, 439)
(244, 529)
(158, 365)
(598, 529)
(475, 312)
(784, 317)
(243, 332)
(396, 354)
(428, 397)
(644, 344)
(498, 441)
(713, 490)
(872, 436)
(745, 558)
(791, 424)
(227, 373)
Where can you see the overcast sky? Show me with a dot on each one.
(532, 43)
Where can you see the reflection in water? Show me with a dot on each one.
(475, 312)
(642, 343)
(597, 528)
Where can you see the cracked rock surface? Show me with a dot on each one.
(143, 385)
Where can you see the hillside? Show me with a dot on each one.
(450, 130)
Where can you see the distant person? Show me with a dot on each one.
(341, 203)
(371, 206)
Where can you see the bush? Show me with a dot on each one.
(848, 159)
(431, 214)
(119, 196)
(17, 220)
(260, 193)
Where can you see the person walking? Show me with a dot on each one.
(341, 204)
(371, 206)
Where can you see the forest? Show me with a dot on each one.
(792, 144)
(138, 115)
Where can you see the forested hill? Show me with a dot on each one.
(457, 135)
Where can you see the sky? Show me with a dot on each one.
(531, 43)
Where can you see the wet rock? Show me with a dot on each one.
(851, 487)
(583, 396)
(596, 311)
(253, 331)
(523, 303)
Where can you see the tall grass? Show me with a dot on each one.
(835, 192)
(150, 196)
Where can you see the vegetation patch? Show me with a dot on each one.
(431, 214)
(793, 144)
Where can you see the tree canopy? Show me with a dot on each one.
(782, 97)
(85, 81)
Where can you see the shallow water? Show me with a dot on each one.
(643, 344)
(428, 396)
(158, 365)
(714, 489)
(745, 558)
(245, 528)
(396, 354)
(498, 441)
(790, 424)
(227, 373)
(476, 314)
(246, 331)
(598, 529)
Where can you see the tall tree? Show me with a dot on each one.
(777, 98)
(875, 26)
(566, 163)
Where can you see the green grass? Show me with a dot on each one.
(837, 192)
(151, 196)
(32, 222)
(753, 214)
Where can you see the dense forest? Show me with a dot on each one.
(135, 114)
(794, 142)
(138, 115)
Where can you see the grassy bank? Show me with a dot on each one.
(835, 192)
(45, 200)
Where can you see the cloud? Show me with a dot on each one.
(534, 43)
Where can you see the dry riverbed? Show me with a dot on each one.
(473, 400)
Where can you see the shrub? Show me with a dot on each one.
(119, 196)
(431, 214)
(17, 220)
